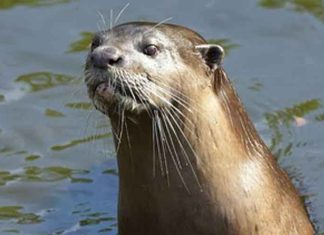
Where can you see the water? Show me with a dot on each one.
(57, 162)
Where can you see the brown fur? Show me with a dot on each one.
(239, 188)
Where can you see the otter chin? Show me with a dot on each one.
(190, 160)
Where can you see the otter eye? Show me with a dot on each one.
(150, 50)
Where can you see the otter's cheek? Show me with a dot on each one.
(105, 91)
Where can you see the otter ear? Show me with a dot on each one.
(213, 54)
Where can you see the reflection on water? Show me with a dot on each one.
(96, 218)
(45, 80)
(313, 7)
(32, 157)
(87, 139)
(89, 218)
(110, 171)
(80, 105)
(9, 151)
(15, 213)
(320, 118)
(77, 214)
(5, 4)
(53, 113)
(45, 174)
(285, 118)
(256, 85)
(50, 183)
(83, 43)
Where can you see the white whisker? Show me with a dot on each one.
(173, 152)
(103, 21)
(159, 152)
(111, 22)
(160, 131)
(185, 153)
(121, 122)
(158, 24)
(121, 12)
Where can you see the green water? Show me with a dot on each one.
(57, 162)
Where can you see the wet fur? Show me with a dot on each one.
(196, 164)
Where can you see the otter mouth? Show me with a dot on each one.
(108, 91)
(119, 88)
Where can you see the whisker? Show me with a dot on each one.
(121, 12)
(121, 122)
(87, 121)
(182, 102)
(185, 153)
(170, 104)
(175, 157)
(160, 128)
(103, 21)
(175, 98)
(111, 18)
(159, 152)
(185, 125)
(128, 142)
(158, 24)
(154, 148)
(142, 96)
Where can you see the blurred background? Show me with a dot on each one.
(57, 162)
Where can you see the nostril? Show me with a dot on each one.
(111, 62)
(115, 61)
(101, 58)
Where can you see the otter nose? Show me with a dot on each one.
(102, 57)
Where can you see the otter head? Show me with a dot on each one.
(137, 66)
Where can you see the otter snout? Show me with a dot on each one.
(102, 57)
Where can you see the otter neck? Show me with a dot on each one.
(214, 166)
(166, 151)
(159, 149)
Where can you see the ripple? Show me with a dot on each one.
(15, 213)
(7, 4)
(53, 113)
(313, 7)
(45, 174)
(82, 44)
(80, 141)
(80, 105)
(45, 80)
(287, 117)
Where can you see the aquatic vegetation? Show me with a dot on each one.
(44, 174)
(81, 141)
(80, 105)
(45, 80)
(81, 44)
(6, 4)
(15, 213)
(313, 7)
(2, 98)
(286, 118)
(53, 113)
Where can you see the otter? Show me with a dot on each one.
(190, 160)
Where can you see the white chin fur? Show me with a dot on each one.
(107, 91)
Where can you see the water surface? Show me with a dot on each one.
(57, 162)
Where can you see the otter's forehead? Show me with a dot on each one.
(134, 33)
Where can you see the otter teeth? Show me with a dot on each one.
(105, 90)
